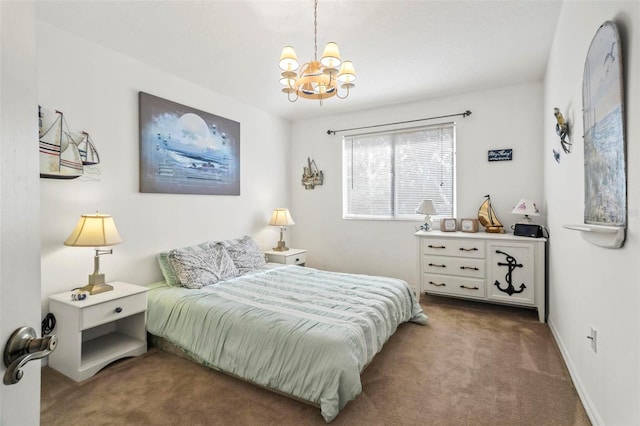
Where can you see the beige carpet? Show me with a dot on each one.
(474, 364)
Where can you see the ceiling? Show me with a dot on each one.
(401, 50)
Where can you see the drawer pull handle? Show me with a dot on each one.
(439, 266)
(466, 249)
(118, 310)
(437, 284)
(436, 247)
(469, 288)
(473, 268)
(298, 260)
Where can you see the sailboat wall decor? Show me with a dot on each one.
(64, 154)
(487, 217)
(311, 176)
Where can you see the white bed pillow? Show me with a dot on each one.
(246, 254)
(197, 268)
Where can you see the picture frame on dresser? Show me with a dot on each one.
(469, 225)
(448, 225)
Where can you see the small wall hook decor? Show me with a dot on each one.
(311, 176)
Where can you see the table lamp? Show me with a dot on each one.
(281, 218)
(95, 230)
(526, 208)
(426, 208)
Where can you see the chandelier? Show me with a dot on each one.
(316, 79)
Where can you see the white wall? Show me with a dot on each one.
(589, 285)
(97, 89)
(507, 117)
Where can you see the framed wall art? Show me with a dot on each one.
(505, 154)
(187, 151)
(604, 140)
(605, 177)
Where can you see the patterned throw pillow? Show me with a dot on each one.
(167, 271)
(246, 254)
(197, 268)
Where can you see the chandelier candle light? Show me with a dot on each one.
(316, 79)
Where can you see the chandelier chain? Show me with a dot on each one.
(315, 30)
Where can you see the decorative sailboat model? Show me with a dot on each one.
(488, 219)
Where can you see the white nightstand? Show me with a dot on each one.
(288, 257)
(94, 332)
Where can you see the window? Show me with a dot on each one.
(386, 175)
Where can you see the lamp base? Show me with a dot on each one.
(96, 285)
(426, 226)
(526, 219)
(281, 246)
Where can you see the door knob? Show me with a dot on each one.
(24, 346)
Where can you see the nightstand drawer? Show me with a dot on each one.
(298, 259)
(112, 310)
(288, 257)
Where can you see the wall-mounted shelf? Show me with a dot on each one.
(600, 235)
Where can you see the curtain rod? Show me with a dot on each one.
(463, 114)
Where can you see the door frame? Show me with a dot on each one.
(20, 292)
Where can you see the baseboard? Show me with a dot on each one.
(588, 405)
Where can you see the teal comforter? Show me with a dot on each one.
(302, 331)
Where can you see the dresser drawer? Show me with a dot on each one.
(112, 310)
(461, 266)
(453, 286)
(453, 247)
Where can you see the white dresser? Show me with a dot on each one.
(495, 268)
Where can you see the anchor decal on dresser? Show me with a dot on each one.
(512, 264)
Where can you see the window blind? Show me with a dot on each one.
(387, 174)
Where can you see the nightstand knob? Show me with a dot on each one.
(118, 309)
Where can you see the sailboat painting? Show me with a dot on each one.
(64, 154)
(187, 151)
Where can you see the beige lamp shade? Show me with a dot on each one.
(347, 73)
(426, 207)
(94, 230)
(331, 56)
(288, 59)
(281, 217)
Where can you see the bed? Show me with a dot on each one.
(300, 331)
